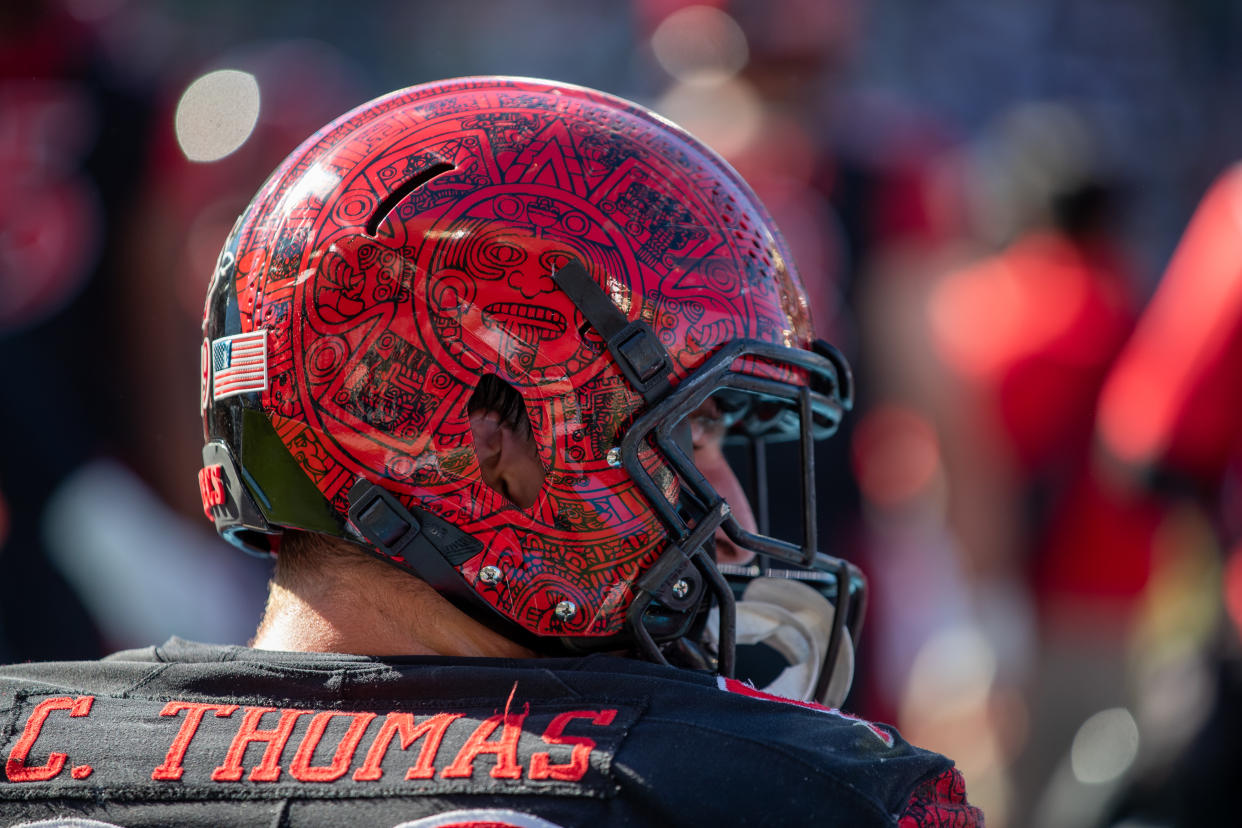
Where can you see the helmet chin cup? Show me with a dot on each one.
(785, 634)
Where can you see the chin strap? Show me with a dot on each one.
(428, 546)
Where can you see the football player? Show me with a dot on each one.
(470, 360)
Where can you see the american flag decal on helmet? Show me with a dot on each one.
(239, 364)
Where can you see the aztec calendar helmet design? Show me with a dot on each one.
(605, 264)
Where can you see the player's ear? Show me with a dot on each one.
(508, 458)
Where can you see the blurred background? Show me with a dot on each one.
(1020, 221)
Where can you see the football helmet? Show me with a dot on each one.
(605, 264)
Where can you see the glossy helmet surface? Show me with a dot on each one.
(604, 263)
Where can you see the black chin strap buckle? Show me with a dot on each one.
(381, 519)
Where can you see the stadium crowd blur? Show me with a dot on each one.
(1043, 479)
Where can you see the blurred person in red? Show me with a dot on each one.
(1027, 337)
(1029, 334)
(1169, 429)
(985, 368)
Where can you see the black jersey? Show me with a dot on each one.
(193, 734)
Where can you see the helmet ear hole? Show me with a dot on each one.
(503, 441)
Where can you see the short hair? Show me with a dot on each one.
(494, 394)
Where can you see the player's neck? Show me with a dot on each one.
(386, 616)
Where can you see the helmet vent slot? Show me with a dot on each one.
(398, 195)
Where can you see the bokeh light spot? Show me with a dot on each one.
(1105, 746)
(700, 44)
(216, 114)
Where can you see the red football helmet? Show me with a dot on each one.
(602, 262)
